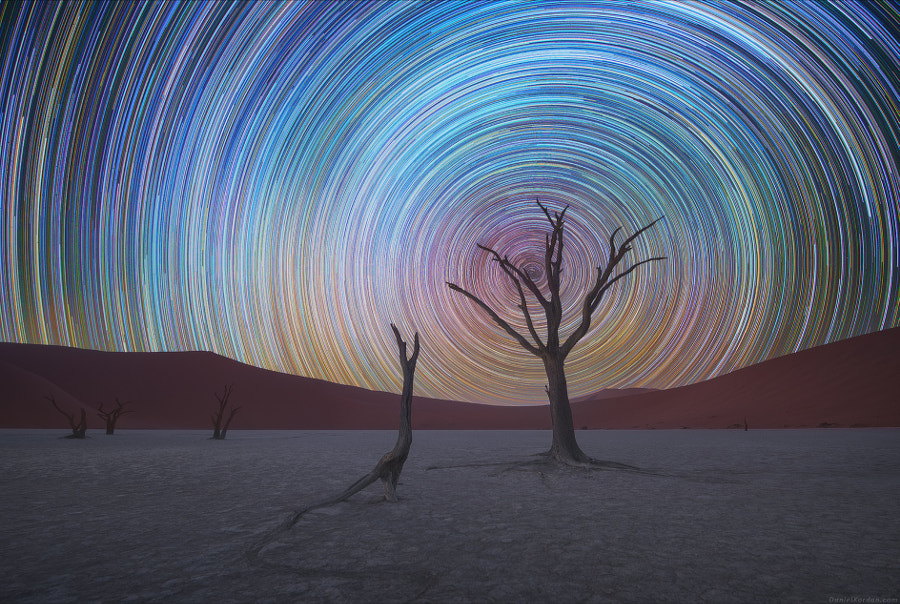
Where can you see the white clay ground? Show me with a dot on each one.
(718, 516)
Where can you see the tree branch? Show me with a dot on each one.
(524, 306)
(496, 318)
(633, 237)
(595, 295)
(69, 416)
(517, 275)
(514, 273)
(619, 276)
(511, 272)
(121, 407)
(553, 246)
(401, 346)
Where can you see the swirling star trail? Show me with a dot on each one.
(278, 182)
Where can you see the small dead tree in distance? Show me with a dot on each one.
(388, 467)
(219, 431)
(554, 350)
(78, 428)
(112, 416)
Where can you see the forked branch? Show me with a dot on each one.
(603, 282)
(551, 301)
(79, 428)
(220, 430)
(111, 417)
(517, 274)
(553, 250)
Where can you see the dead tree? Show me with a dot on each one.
(388, 467)
(391, 463)
(78, 428)
(219, 430)
(112, 416)
(553, 350)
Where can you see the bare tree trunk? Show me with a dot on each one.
(79, 430)
(218, 431)
(228, 422)
(393, 461)
(388, 467)
(112, 417)
(564, 446)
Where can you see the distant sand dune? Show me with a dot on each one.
(850, 383)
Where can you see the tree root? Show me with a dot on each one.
(252, 554)
(547, 461)
(387, 470)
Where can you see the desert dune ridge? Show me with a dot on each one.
(851, 383)
(716, 516)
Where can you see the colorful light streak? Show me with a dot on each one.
(278, 182)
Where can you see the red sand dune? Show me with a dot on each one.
(613, 393)
(850, 383)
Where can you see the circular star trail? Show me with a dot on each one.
(278, 182)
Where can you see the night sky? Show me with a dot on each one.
(277, 183)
